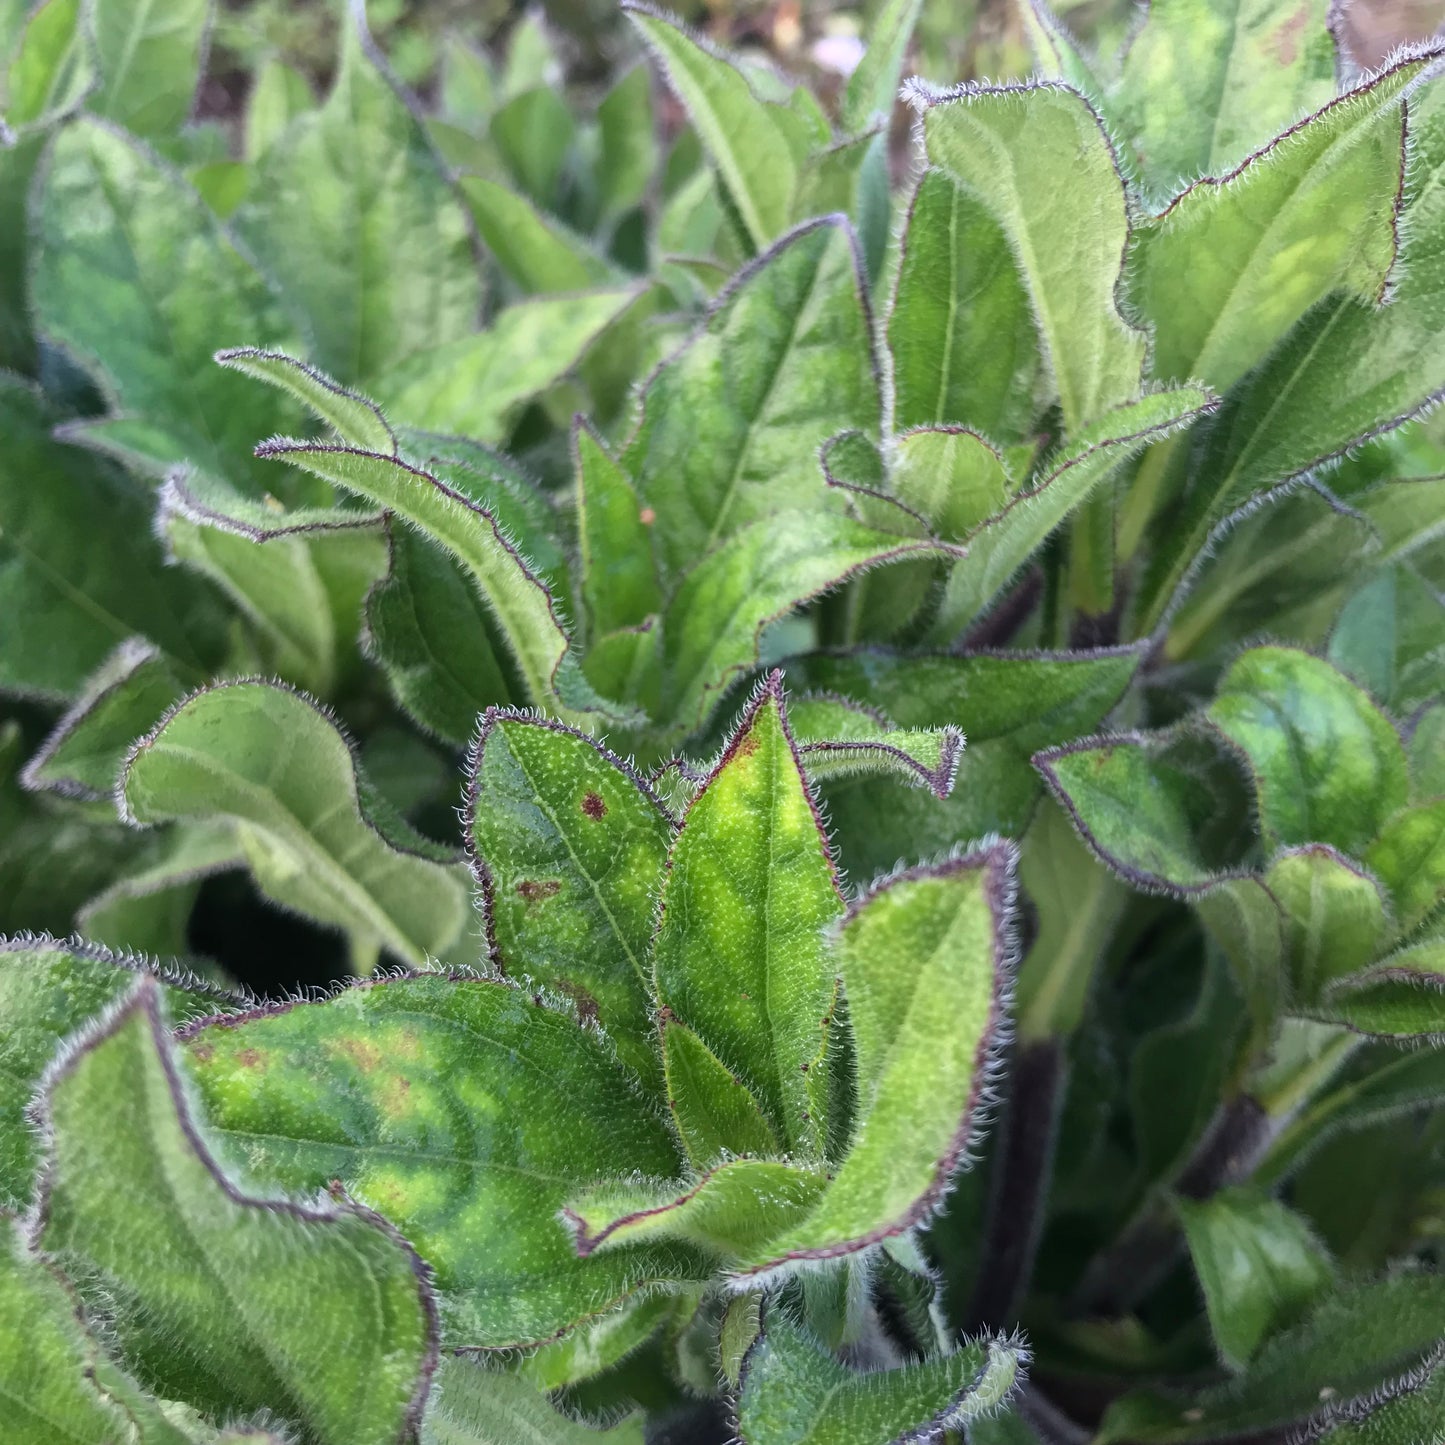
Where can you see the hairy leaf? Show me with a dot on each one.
(714, 1112)
(1402, 998)
(837, 737)
(619, 581)
(952, 476)
(314, 835)
(1409, 858)
(468, 1113)
(536, 251)
(1390, 637)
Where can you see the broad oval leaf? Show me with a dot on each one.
(1409, 858)
(150, 54)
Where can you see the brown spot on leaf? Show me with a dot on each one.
(1287, 37)
(250, 1058)
(593, 805)
(533, 890)
(586, 1001)
(362, 1052)
(747, 745)
(203, 1053)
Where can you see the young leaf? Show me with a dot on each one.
(278, 95)
(714, 1112)
(952, 476)
(1328, 766)
(837, 737)
(330, 1323)
(432, 635)
(731, 424)
(49, 991)
(939, 932)
(187, 290)
(82, 758)
(873, 86)
(473, 1404)
(752, 142)
(1032, 153)
(1390, 637)
(740, 957)
(356, 220)
(70, 595)
(1401, 999)
(568, 845)
(627, 129)
(1231, 264)
(1426, 748)
(965, 347)
(1203, 85)
(1361, 1344)
(317, 840)
(536, 251)
(1409, 857)
(731, 1210)
(795, 1393)
(619, 581)
(150, 54)
(1259, 1266)
(1006, 540)
(466, 1111)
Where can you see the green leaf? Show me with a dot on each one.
(1362, 1343)
(965, 347)
(278, 95)
(70, 595)
(1203, 85)
(1008, 704)
(1232, 264)
(940, 932)
(1006, 540)
(731, 1210)
(714, 1112)
(1415, 1418)
(536, 251)
(52, 70)
(1057, 55)
(1033, 153)
(1409, 856)
(739, 956)
(713, 627)
(952, 476)
(1401, 999)
(569, 845)
(837, 737)
(467, 1112)
(534, 133)
(600, 1344)
(432, 635)
(150, 54)
(1259, 1266)
(873, 87)
(731, 424)
(315, 837)
(330, 1323)
(176, 288)
(619, 583)
(474, 386)
(753, 143)
(1328, 766)
(356, 220)
(1335, 915)
(468, 531)
(474, 1405)
(82, 758)
(627, 129)
(1390, 637)
(795, 1393)
(48, 991)
(1426, 748)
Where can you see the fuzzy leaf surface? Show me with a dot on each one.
(1403, 998)
(1390, 637)
(950, 475)
(619, 580)
(714, 1112)
(1039, 157)
(837, 737)
(795, 1393)
(740, 956)
(330, 1321)
(569, 846)
(1258, 1264)
(468, 1114)
(965, 347)
(315, 836)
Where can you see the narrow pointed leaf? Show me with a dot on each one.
(315, 836)
(731, 424)
(730, 1210)
(356, 219)
(350, 415)
(740, 955)
(1328, 766)
(537, 252)
(1259, 1266)
(837, 737)
(1032, 152)
(964, 343)
(1202, 86)
(873, 86)
(568, 845)
(187, 290)
(278, 95)
(714, 1112)
(468, 1113)
(49, 991)
(474, 1405)
(795, 1393)
(1403, 998)
(1057, 54)
(1006, 540)
(331, 1324)
(150, 54)
(596, 1345)
(619, 580)
(941, 932)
